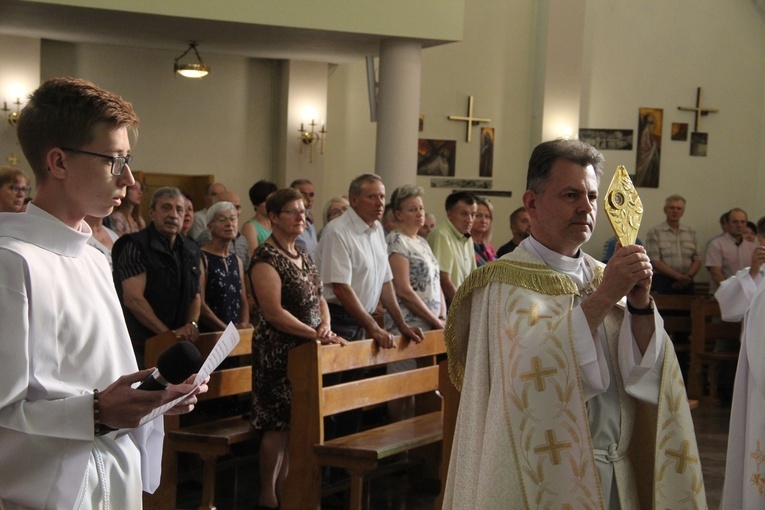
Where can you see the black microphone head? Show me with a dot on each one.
(179, 361)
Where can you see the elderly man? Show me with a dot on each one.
(156, 272)
(674, 251)
(552, 361)
(200, 217)
(730, 252)
(353, 262)
(307, 239)
(520, 226)
(67, 368)
(450, 242)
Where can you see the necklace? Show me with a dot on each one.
(286, 252)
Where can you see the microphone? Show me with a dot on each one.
(174, 366)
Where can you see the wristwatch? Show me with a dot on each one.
(641, 311)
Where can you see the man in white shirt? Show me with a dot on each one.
(307, 239)
(730, 252)
(69, 418)
(552, 360)
(352, 257)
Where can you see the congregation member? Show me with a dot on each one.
(333, 209)
(307, 239)
(257, 229)
(291, 310)
(673, 250)
(741, 298)
(427, 226)
(520, 227)
(353, 263)
(156, 273)
(552, 352)
(222, 287)
(480, 233)
(450, 242)
(69, 418)
(127, 219)
(188, 213)
(14, 187)
(416, 279)
(729, 252)
(750, 232)
(239, 244)
(101, 238)
(388, 220)
(200, 217)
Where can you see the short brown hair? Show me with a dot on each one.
(9, 175)
(278, 198)
(63, 112)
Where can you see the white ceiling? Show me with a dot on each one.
(80, 25)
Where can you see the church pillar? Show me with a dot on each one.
(398, 109)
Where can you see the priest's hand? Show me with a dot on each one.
(628, 273)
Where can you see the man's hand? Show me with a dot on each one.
(187, 404)
(122, 407)
(382, 338)
(628, 273)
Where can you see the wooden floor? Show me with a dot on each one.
(393, 492)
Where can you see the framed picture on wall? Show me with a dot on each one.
(486, 161)
(608, 139)
(648, 162)
(436, 157)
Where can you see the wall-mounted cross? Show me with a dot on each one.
(471, 121)
(700, 112)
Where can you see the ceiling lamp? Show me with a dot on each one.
(192, 70)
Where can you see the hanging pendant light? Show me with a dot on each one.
(191, 70)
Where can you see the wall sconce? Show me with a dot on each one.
(312, 137)
(13, 117)
(194, 70)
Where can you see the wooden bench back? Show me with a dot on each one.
(373, 390)
(311, 401)
(708, 326)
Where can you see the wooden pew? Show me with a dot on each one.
(361, 452)
(675, 309)
(707, 328)
(209, 439)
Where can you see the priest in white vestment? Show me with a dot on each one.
(69, 418)
(742, 297)
(567, 399)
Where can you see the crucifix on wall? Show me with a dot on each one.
(699, 111)
(471, 121)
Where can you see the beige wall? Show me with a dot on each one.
(636, 53)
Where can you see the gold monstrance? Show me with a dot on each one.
(623, 207)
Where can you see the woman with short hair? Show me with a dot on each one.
(290, 311)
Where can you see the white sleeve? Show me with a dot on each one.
(593, 367)
(735, 295)
(641, 373)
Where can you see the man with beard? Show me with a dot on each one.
(156, 273)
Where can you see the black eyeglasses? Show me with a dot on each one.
(118, 162)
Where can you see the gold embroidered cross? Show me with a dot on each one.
(533, 314)
(538, 374)
(552, 447)
(682, 457)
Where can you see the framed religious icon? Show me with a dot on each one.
(699, 144)
(648, 161)
(436, 157)
(680, 131)
(486, 161)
